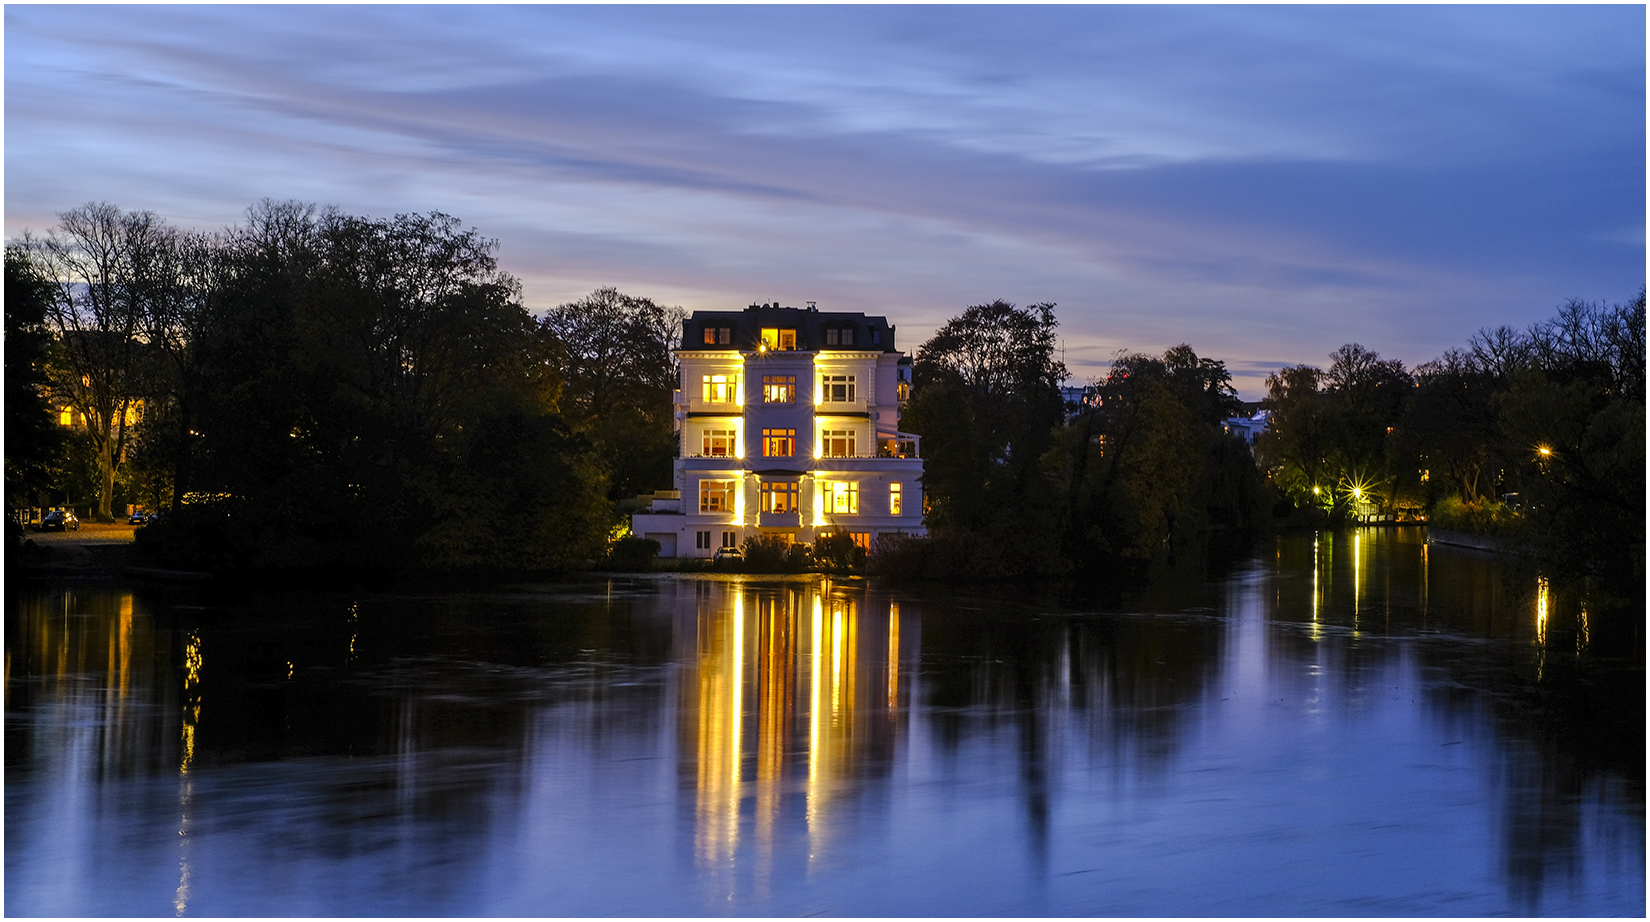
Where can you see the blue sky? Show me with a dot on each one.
(1264, 183)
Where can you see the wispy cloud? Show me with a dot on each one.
(1257, 181)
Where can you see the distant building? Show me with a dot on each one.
(788, 421)
(1248, 427)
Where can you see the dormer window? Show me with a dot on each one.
(839, 337)
(718, 336)
(782, 340)
(876, 336)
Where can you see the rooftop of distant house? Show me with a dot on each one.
(772, 328)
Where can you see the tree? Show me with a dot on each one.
(986, 402)
(618, 354)
(33, 438)
(102, 262)
(1152, 464)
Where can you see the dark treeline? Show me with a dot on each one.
(1020, 484)
(1536, 435)
(316, 389)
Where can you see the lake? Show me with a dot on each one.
(1340, 723)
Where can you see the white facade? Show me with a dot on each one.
(788, 423)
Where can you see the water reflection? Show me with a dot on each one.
(1351, 724)
(795, 702)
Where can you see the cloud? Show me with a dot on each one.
(1256, 181)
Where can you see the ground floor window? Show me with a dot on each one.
(730, 539)
(716, 495)
(862, 540)
(779, 497)
(701, 540)
(841, 497)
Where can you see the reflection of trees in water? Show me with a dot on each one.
(1567, 735)
(1117, 687)
(1567, 725)
(351, 725)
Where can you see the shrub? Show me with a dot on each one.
(1482, 517)
(774, 554)
(838, 553)
(633, 553)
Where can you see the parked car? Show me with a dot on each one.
(729, 553)
(60, 520)
(138, 518)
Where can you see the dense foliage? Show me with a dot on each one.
(1535, 436)
(316, 389)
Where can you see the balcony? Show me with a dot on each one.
(779, 519)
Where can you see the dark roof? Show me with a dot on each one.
(870, 333)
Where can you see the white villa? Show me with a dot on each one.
(788, 421)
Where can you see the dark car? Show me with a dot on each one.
(138, 518)
(60, 520)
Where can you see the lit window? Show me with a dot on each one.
(837, 388)
(66, 418)
(779, 497)
(778, 443)
(775, 338)
(718, 389)
(718, 443)
(896, 499)
(715, 496)
(718, 336)
(779, 388)
(841, 497)
(837, 443)
(862, 540)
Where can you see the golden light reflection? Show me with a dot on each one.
(893, 655)
(1317, 593)
(1542, 601)
(1357, 575)
(762, 656)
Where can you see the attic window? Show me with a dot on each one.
(835, 337)
(718, 336)
(876, 336)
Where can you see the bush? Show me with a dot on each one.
(632, 553)
(838, 553)
(774, 554)
(1484, 517)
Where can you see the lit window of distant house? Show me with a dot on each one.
(862, 540)
(715, 496)
(841, 497)
(718, 443)
(896, 499)
(778, 443)
(837, 388)
(718, 336)
(779, 497)
(837, 443)
(775, 338)
(839, 337)
(718, 389)
(779, 388)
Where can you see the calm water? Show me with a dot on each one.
(1346, 724)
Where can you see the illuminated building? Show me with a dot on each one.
(788, 421)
